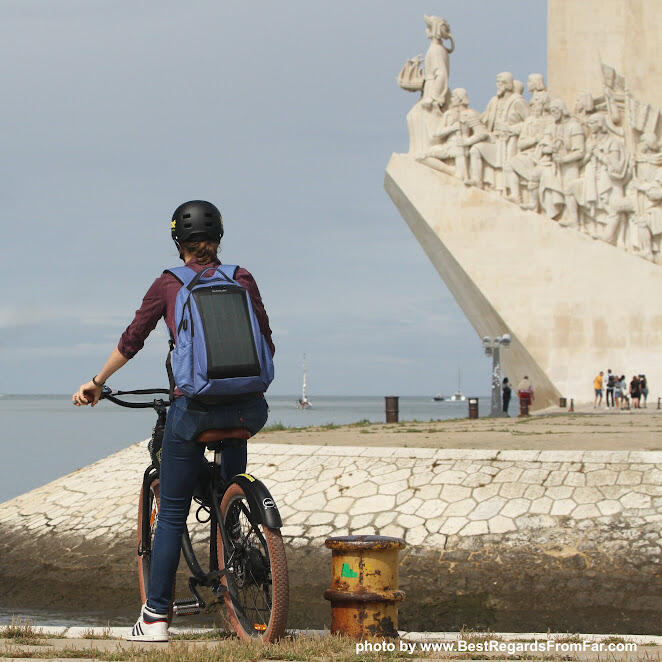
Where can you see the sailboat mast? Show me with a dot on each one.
(303, 388)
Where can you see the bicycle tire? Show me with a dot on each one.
(250, 626)
(144, 560)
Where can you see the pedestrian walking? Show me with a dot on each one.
(623, 393)
(597, 389)
(506, 395)
(635, 393)
(609, 390)
(525, 394)
(643, 387)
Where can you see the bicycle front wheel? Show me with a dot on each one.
(257, 597)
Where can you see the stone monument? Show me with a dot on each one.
(543, 216)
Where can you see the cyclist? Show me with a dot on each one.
(197, 228)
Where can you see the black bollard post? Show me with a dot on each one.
(392, 411)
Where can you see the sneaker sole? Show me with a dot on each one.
(147, 637)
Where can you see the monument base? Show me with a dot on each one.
(572, 305)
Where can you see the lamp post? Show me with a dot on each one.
(492, 347)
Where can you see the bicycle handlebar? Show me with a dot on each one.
(108, 394)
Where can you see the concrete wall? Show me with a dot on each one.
(573, 305)
(625, 34)
(512, 540)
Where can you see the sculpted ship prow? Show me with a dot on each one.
(533, 173)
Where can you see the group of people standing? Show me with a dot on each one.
(618, 393)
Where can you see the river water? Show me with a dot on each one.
(43, 437)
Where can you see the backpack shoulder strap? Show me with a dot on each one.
(228, 270)
(183, 274)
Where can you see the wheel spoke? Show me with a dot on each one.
(252, 599)
(257, 594)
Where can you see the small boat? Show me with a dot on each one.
(438, 398)
(458, 396)
(303, 402)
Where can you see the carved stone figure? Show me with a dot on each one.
(600, 192)
(524, 165)
(613, 99)
(646, 187)
(561, 151)
(502, 118)
(598, 171)
(535, 83)
(459, 129)
(584, 106)
(432, 81)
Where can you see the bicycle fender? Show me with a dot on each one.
(260, 500)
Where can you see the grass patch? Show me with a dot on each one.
(478, 637)
(21, 631)
(569, 639)
(19, 653)
(230, 649)
(614, 639)
(218, 646)
(329, 426)
(360, 424)
(90, 633)
(215, 634)
(275, 427)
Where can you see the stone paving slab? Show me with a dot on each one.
(429, 497)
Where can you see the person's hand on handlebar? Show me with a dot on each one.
(88, 394)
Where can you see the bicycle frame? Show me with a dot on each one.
(261, 507)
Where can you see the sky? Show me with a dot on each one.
(284, 115)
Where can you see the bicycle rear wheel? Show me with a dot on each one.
(144, 560)
(256, 576)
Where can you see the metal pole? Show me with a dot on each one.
(497, 405)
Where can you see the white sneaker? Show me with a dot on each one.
(150, 626)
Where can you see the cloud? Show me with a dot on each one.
(38, 315)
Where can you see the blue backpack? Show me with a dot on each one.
(219, 349)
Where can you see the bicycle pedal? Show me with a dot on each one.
(186, 607)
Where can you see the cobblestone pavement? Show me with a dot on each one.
(424, 495)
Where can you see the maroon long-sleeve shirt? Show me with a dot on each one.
(160, 302)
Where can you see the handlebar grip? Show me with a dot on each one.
(107, 394)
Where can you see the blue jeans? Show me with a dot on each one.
(181, 462)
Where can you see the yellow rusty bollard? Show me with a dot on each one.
(364, 585)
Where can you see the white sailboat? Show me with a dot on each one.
(303, 402)
(458, 396)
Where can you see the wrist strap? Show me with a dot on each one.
(95, 382)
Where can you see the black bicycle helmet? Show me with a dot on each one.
(196, 220)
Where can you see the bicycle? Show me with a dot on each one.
(252, 580)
